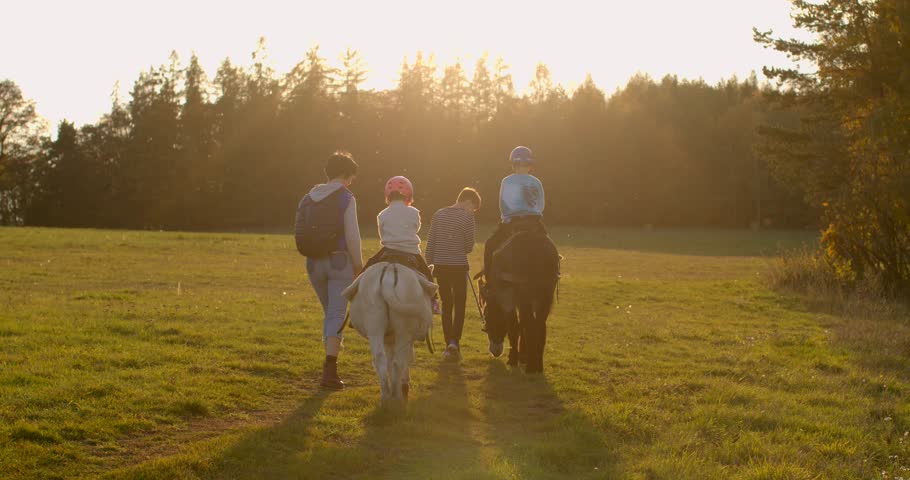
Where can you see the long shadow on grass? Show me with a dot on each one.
(536, 435)
(270, 452)
(522, 430)
(432, 439)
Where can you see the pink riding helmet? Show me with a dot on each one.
(401, 185)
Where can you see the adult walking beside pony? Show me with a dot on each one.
(327, 233)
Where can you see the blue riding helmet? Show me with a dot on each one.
(521, 156)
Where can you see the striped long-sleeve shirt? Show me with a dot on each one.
(451, 238)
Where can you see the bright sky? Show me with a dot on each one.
(67, 55)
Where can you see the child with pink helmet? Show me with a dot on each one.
(398, 224)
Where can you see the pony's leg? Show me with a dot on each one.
(524, 329)
(497, 327)
(521, 327)
(514, 338)
(400, 357)
(390, 364)
(524, 342)
(406, 376)
(540, 319)
(531, 340)
(381, 364)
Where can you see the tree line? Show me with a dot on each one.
(239, 149)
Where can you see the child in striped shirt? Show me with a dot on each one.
(451, 239)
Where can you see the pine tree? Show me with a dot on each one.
(453, 90)
(483, 93)
(354, 72)
(150, 173)
(583, 158)
(197, 143)
(541, 87)
(502, 80)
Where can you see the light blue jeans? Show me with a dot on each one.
(329, 277)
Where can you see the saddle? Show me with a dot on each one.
(406, 261)
(511, 258)
(402, 259)
(516, 262)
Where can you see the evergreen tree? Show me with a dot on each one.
(197, 143)
(483, 93)
(353, 74)
(541, 86)
(251, 159)
(587, 112)
(351, 110)
(149, 175)
(454, 90)
(231, 86)
(311, 120)
(73, 188)
(502, 80)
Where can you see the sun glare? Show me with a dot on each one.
(612, 41)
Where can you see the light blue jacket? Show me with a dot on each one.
(520, 194)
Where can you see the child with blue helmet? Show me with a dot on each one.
(521, 194)
(521, 203)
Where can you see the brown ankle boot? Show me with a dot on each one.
(330, 378)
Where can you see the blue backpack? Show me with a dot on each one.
(319, 226)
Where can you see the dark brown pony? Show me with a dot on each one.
(519, 293)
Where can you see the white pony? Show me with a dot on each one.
(390, 306)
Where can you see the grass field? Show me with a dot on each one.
(173, 355)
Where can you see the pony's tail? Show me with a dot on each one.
(389, 273)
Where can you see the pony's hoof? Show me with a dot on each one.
(496, 349)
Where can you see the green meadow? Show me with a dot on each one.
(159, 355)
